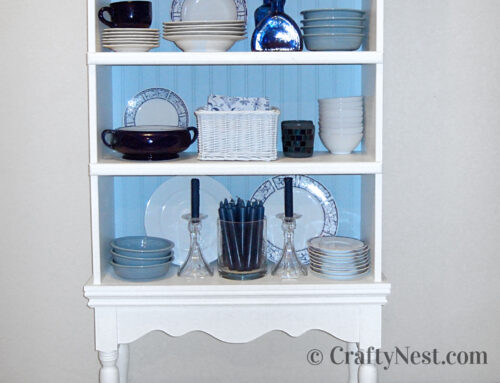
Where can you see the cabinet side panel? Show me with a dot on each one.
(103, 227)
(370, 86)
(103, 100)
(371, 224)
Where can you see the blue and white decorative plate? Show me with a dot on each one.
(311, 200)
(156, 106)
(176, 10)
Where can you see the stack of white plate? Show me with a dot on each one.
(338, 257)
(204, 36)
(341, 123)
(130, 39)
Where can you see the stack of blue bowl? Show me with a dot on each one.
(141, 257)
(333, 29)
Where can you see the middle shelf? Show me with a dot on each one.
(188, 164)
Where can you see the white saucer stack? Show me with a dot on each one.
(339, 258)
(130, 39)
(204, 36)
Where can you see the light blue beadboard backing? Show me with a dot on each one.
(132, 194)
(295, 90)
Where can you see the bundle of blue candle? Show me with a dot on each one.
(242, 230)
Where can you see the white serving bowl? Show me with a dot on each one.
(204, 43)
(341, 143)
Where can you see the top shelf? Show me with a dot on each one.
(234, 58)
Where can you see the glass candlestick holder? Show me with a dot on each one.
(195, 266)
(289, 265)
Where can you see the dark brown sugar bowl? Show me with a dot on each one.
(150, 142)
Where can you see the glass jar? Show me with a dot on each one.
(242, 249)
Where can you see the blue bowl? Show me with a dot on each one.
(347, 21)
(142, 246)
(319, 29)
(141, 273)
(333, 41)
(134, 261)
(332, 12)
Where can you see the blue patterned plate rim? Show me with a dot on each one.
(319, 192)
(141, 98)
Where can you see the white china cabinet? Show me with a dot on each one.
(125, 311)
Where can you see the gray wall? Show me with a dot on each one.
(440, 219)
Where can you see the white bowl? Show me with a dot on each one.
(358, 129)
(204, 43)
(341, 121)
(348, 106)
(341, 99)
(340, 113)
(341, 143)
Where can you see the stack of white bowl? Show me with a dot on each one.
(204, 36)
(130, 39)
(341, 123)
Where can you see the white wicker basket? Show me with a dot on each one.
(237, 136)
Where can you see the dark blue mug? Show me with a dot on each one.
(127, 14)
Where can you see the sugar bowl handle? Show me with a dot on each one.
(109, 10)
(105, 134)
(195, 133)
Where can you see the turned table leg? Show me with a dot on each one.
(123, 357)
(352, 349)
(368, 370)
(109, 371)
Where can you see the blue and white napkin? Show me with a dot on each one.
(227, 103)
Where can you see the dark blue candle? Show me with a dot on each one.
(195, 198)
(288, 197)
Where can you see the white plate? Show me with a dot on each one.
(204, 27)
(204, 43)
(311, 199)
(205, 33)
(219, 23)
(131, 41)
(130, 47)
(126, 33)
(135, 30)
(156, 106)
(340, 277)
(207, 29)
(345, 257)
(171, 200)
(203, 10)
(326, 271)
(336, 244)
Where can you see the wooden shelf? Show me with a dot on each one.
(188, 164)
(234, 58)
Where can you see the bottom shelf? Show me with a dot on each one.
(171, 282)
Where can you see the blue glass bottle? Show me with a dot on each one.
(262, 12)
(277, 32)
